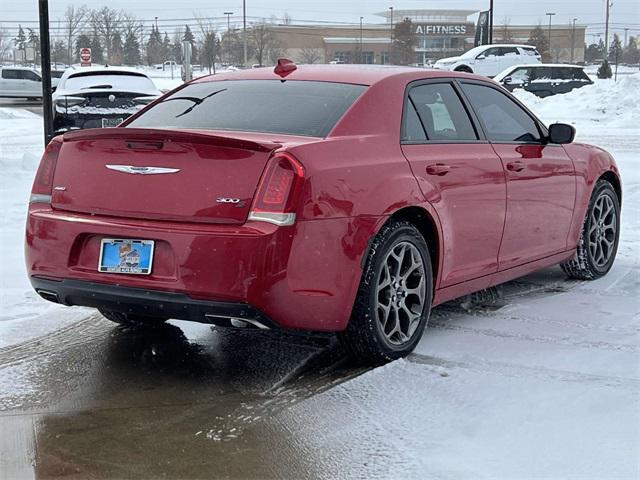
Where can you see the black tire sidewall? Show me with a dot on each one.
(403, 234)
(600, 188)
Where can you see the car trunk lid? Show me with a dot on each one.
(159, 174)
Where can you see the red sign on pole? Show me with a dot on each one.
(85, 57)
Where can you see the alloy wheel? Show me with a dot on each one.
(602, 230)
(401, 293)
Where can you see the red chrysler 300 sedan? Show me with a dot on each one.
(343, 199)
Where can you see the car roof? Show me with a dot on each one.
(521, 45)
(537, 65)
(103, 68)
(18, 68)
(348, 73)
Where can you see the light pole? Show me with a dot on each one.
(391, 36)
(551, 14)
(361, 39)
(228, 14)
(573, 37)
(490, 22)
(45, 64)
(244, 30)
(606, 29)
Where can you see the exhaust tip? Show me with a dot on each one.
(228, 321)
(47, 295)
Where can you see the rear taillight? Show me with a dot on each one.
(279, 191)
(43, 183)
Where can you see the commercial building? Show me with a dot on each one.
(440, 33)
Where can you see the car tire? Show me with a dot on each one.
(132, 320)
(598, 243)
(393, 303)
(463, 69)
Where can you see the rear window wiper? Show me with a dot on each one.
(98, 86)
(196, 101)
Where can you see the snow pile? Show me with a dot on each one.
(14, 113)
(616, 104)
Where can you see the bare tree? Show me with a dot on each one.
(106, 22)
(5, 42)
(129, 24)
(505, 31)
(286, 19)
(205, 24)
(75, 19)
(310, 55)
(262, 39)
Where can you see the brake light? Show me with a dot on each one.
(43, 183)
(278, 192)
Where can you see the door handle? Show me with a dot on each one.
(516, 166)
(439, 169)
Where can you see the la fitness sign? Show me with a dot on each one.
(439, 29)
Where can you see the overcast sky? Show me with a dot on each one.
(624, 13)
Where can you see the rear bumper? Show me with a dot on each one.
(63, 122)
(302, 277)
(153, 303)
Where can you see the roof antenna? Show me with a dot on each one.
(284, 67)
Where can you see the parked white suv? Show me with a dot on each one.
(489, 60)
(20, 82)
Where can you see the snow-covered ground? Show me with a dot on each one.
(548, 385)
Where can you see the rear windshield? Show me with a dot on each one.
(271, 106)
(121, 81)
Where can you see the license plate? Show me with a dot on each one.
(126, 256)
(111, 122)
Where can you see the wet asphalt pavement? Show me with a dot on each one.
(114, 402)
(183, 400)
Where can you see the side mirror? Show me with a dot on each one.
(507, 80)
(481, 57)
(561, 133)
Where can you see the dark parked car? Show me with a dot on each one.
(99, 97)
(544, 79)
(330, 198)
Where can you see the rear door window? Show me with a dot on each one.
(503, 119)
(437, 110)
(29, 75)
(509, 51)
(9, 74)
(307, 108)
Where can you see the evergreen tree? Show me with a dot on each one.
(34, 42)
(117, 50)
(539, 39)
(131, 50)
(188, 35)
(404, 43)
(59, 52)
(176, 47)
(615, 49)
(166, 48)
(154, 47)
(209, 51)
(97, 55)
(601, 49)
(605, 70)
(631, 53)
(21, 42)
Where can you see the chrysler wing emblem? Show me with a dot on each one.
(141, 170)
